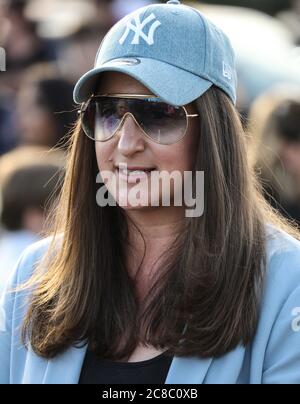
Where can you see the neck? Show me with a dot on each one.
(158, 228)
(155, 224)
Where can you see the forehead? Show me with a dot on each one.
(115, 82)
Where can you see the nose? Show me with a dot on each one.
(130, 137)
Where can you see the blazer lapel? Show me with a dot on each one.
(224, 370)
(64, 369)
(34, 369)
(188, 370)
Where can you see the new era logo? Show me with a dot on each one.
(138, 30)
(227, 71)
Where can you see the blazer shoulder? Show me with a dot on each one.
(28, 260)
(13, 297)
(275, 349)
(283, 260)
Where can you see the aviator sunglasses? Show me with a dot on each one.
(102, 116)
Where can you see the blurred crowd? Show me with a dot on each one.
(49, 44)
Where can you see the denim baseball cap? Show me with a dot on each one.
(171, 48)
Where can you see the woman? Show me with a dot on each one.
(139, 291)
(44, 118)
(275, 118)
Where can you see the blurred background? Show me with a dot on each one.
(49, 44)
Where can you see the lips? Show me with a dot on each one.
(133, 173)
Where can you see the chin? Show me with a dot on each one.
(139, 204)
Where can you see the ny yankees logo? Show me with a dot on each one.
(138, 29)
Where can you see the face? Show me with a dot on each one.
(35, 123)
(130, 146)
(290, 157)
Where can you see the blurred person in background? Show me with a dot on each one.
(291, 19)
(104, 15)
(45, 109)
(20, 39)
(81, 46)
(275, 131)
(23, 47)
(29, 182)
(8, 129)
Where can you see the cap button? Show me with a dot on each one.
(173, 2)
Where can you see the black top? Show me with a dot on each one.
(103, 371)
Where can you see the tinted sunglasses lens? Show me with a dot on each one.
(100, 119)
(162, 122)
(87, 119)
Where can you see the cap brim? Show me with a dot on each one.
(172, 84)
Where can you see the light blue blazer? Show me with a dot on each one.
(273, 357)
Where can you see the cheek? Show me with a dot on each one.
(104, 152)
(180, 156)
(176, 159)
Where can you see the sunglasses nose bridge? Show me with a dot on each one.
(121, 124)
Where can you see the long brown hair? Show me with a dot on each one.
(206, 298)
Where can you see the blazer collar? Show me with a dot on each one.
(189, 370)
(66, 368)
